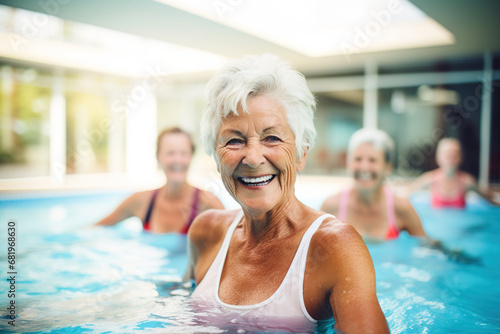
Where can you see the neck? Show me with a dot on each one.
(280, 221)
(369, 196)
(449, 172)
(175, 190)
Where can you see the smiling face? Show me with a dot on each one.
(257, 156)
(174, 156)
(368, 166)
(449, 155)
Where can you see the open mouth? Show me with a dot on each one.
(177, 168)
(365, 176)
(256, 181)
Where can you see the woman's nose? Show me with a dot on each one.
(253, 155)
(364, 164)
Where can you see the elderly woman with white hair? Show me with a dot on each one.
(275, 261)
(369, 205)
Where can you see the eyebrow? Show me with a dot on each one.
(269, 128)
(236, 132)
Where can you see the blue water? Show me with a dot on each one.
(75, 279)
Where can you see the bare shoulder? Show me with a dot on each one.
(338, 250)
(210, 201)
(402, 205)
(426, 177)
(210, 226)
(468, 179)
(138, 200)
(142, 196)
(331, 204)
(338, 235)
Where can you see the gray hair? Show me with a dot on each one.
(253, 76)
(378, 138)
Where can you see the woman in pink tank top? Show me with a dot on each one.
(447, 184)
(369, 205)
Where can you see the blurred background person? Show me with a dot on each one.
(173, 207)
(448, 184)
(369, 205)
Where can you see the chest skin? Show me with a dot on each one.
(253, 276)
(169, 216)
(372, 222)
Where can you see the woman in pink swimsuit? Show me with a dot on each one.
(173, 207)
(448, 184)
(368, 204)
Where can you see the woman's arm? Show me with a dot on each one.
(331, 204)
(422, 182)
(353, 298)
(210, 201)
(204, 239)
(471, 184)
(126, 209)
(407, 218)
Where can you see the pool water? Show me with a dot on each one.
(75, 279)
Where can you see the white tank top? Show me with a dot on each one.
(285, 306)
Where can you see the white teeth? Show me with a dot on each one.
(365, 176)
(177, 168)
(257, 179)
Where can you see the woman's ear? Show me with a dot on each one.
(301, 163)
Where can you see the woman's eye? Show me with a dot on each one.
(234, 141)
(272, 138)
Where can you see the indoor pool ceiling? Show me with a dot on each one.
(473, 26)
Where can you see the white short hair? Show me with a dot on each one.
(378, 138)
(251, 76)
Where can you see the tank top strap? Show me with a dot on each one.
(145, 223)
(344, 200)
(389, 199)
(221, 255)
(302, 252)
(194, 206)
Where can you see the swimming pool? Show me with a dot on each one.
(74, 279)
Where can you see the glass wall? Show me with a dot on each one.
(338, 115)
(94, 136)
(417, 107)
(95, 141)
(24, 114)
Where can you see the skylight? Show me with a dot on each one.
(39, 38)
(318, 28)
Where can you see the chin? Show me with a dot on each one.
(176, 178)
(257, 204)
(366, 185)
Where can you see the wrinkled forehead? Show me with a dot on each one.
(260, 114)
